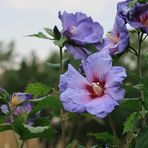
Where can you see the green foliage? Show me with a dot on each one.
(5, 127)
(142, 141)
(60, 42)
(38, 89)
(27, 132)
(132, 3)
(91, 48)
(36, 130)
(142, 1)
(145, 92)
(49, 31)
(131, 122)
(65, 62)
(50, 102)
(39, 35)
(75, 144)
(131, 104)
(4, 96)
(57, 33)
(2, 118)
(104, 136)
(137, 86)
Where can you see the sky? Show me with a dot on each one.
(19, 18)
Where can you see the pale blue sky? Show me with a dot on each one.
(22, 17)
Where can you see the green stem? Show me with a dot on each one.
(140, 36)
(12, 120)
(133, 50)
(62, 110)
(113, 130)
(22, 144)
(61, 63)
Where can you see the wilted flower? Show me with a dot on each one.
(99, 92)
(80, 31)
(118, 40)
(136, 16)
(15, 100)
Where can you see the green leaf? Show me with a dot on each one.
(91, 48)
(49, 31)
(146, 99)
(4, 127)
(57, 33)
(42, 121)
(27, 132)
(2, 118)
(50, 102)
(117, 57)
(65, 62)
(142, 139)
(75, 144)
(145, 94)
(57, 66)
(133, 104)
(142, 1)
(132, 3)
(54, 66)
(4, 96)
(36, 130)
(131, 122)
(39, 35)
(38, 89)
(61, 41)
(104, 136)
(138, 86)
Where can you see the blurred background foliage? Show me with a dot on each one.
(15, 76)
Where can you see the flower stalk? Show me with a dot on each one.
(140, 40)
(62, 111)
(113, 130)
(12, 120)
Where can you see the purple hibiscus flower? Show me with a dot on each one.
(136, 16)
(99, 92)
(122, 9)
(80, 31)
(15, 100)
(118, 40)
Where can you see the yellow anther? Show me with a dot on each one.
(15, 101)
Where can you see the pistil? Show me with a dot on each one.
(97, 88)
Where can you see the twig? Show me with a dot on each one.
(144, 37)
(62, 111)
(140, 36)
(135, 52)
(113, 130)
